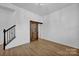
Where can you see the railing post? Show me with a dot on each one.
(4, 40)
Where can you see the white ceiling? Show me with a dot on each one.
(42, 8)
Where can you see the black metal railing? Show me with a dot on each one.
(9, 35)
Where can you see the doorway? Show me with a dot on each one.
(34, 30)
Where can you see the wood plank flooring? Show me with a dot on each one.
(40, 48)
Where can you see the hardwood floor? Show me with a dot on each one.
(40, 48)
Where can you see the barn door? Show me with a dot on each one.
(33, 31)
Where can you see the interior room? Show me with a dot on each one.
(39, 29)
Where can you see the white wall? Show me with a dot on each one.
(5, 15)
(62, 26)
(22, 20)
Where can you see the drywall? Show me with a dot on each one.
(22, 21)
(5, 22)
(62, 26)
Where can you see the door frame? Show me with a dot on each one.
(37, 29)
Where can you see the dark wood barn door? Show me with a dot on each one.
(33, 31)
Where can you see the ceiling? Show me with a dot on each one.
(42, 8)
